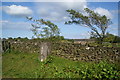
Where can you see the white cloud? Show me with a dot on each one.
(113, 27)
(0, 8)
(3, 21)
(15, 29)
(59, 0)
(57, 11)
(103, 11)
(17, 10)
(15, 25)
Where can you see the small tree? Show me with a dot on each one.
(44, 29)
(97, 23)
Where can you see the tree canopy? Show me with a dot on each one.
(96, 22)
(43, 29)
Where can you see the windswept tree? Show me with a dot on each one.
(43, 29)
(96, 22)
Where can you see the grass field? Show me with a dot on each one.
(25, 65)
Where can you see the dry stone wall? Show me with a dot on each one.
(85, 53)
(26, 46)
(70, 50)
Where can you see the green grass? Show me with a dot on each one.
(25, 65)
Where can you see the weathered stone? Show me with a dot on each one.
(44, 51)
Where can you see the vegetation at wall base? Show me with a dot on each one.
(25, 65)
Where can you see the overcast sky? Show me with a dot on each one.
(14, 23)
